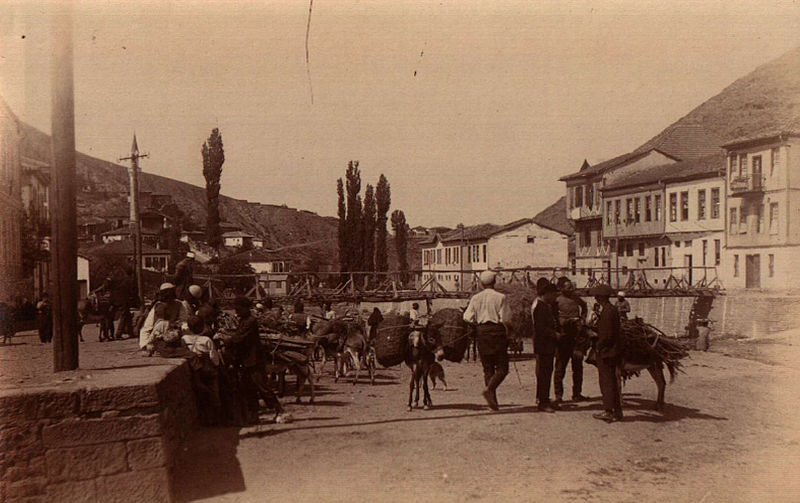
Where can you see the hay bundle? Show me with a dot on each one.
(391, 341)
(519, 300)
(644, 344)
(452, 332)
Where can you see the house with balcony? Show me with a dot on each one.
(763, 211)
(593, 253)
(272, 268)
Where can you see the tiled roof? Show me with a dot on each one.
(611, 163)
(259, 255)
(698, 168)
(237, 234)
(684, 141)
(479, 232)
(761, 137)
(125, 247)
(122, 231)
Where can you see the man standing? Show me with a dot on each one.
(623, 306)
(571, 346)
(489, 311)
(184, 276)
(545, 342)
(123, 293)
(608, 348)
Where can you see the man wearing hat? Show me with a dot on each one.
(608, 349)
(184, 276)
(545, 341)
(489, 311)
(194, 298)
(168, 309)
(623, 306)
(571, 316)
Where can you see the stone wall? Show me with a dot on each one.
(103, 444)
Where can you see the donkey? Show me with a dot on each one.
(424, 349)
(92, 310)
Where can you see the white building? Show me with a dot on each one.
(455, 258)
(272, 268)
(237, 239)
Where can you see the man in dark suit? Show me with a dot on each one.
(609, 351)
(545, 341)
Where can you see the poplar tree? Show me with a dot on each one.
(383, 200)
(343, 259)
(400, 228)
(368, 222)
(353, 237)
(213, 159)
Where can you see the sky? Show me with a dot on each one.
(471, 109)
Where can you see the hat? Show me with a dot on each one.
(166, 286)
(620, 294)
(488, 278)
(563, 280)
(196, 291)
(541, 283)
(190, 255)
(602, 291)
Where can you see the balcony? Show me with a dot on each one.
(741, 186)
(582, 212)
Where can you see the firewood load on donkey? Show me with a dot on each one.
(644, 347)
(345, 342)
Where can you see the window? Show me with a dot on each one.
(673, 207)
(616, 212)
(629, 249)
(771, 265)
(587, 238)
(589, 195)
(732, 222)
(579, 196)
(677, 244)
(657, 204)
(655, 257)
(628, 211)
(447, 255)
(457, 254)
(608, 212)
(732, 165)
(760, 218)
(736, 266)
(484, 253)
(717, 251)
(773, 160)
(620, 248)
(664, 256)
(743, 165)
(705, 251)
(641, 249)
(743, 219)
(687, 244)
(684, 206)
(701, 204)
(647, 209)
(636, 212)
(714, 204)
(439, 256)
(773, 218)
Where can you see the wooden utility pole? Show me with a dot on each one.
(135, 221)
(63, 213)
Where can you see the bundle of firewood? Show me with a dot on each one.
(644, 344)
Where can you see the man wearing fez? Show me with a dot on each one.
(489, 310)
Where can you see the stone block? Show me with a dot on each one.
(57, 405)
(146, 453)
(85, 462)
(73, 492)
(33, 486)
(134, 487)
(96, 431)
(120, 398)
(37, 466)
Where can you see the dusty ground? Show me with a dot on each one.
(729, 433)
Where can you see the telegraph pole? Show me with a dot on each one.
(63, 211)
(135, 223)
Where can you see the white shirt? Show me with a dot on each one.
(146, 334)
(200, 345)
(487, 306)
(413, 314)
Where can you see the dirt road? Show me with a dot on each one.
(729, 433)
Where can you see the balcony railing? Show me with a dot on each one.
(584, 212)
(741, 185)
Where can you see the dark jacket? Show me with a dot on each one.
(184, 276)
(608, 333)
(246, 343)
(123, 292)
(545, 327)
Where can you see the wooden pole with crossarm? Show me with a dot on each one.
(135, 221)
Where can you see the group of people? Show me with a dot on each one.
(228, 367)
(20, 309)
(559, 338)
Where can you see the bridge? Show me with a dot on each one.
(357, 286)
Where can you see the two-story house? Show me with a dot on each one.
(455, 257)
(763, 210)
(585, 207)
(272, 268)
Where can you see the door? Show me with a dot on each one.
(757, 173)
(752, 271)
(687, 263)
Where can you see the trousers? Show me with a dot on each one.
(544, 374)
(255, 385)
(609, 384)
(493, 350)
(568, 349)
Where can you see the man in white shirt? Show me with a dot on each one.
(489, 310)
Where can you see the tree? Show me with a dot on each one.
(342, 226)
(383, 200)
(368, 222)
(353, 228)
(213, 158)
(401, 240)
